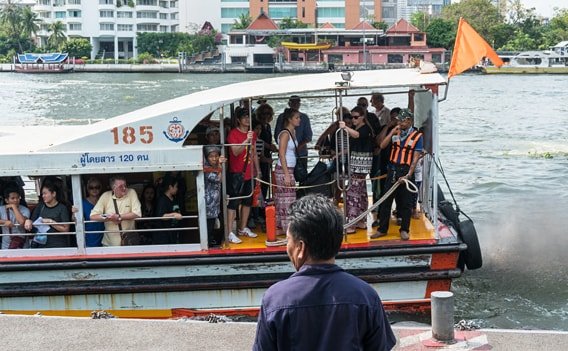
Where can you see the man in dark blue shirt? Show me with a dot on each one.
(320, 307)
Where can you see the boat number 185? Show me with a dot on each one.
(145, 135)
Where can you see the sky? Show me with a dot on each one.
(545, 7)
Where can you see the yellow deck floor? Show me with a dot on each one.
(420, 229)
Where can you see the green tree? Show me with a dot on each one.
(502, 33)
(288, 23)
(243, 21)
(10, 17)
(77, 47)
(420, 20)
(557, 30)
(521, 42)
(29, 22)
(380, 25)
(441, 33)
(57, 36)
(481, 14)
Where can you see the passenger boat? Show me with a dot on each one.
(43, 63)
(532, 62)
(165, 281)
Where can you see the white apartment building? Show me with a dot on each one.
(110, 25)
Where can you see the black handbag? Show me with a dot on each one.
(300, 169)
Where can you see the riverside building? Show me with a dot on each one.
(339, 13)
(110, 25)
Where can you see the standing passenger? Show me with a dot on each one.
(406, 146)
(212, 170)
(242, 157)
(118, 208)
(304, 132)
(381, 111)
(320, 307)
(93, 231)
(284, 197)
(361, 149)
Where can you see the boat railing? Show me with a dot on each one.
(106, 231)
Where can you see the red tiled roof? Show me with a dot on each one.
(402, 26)
(327, 25)
(263, 22)
(364, 25)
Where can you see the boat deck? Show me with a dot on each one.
(421, 231)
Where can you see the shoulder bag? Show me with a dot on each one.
(126, 238)
(300, 170)
(16, 242)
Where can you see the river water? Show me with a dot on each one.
(504, 142)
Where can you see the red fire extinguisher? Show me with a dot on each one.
(270, 223)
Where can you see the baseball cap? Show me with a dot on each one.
(211, 129)
(209, 149)
(404, 114)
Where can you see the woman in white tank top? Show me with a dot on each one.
(285, 194)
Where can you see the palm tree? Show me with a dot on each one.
(242, 22)
(29, 22)
(57, 36)
(10, 16)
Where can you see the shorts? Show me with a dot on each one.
(246, 191)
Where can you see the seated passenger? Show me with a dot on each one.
(50, 211)
(13, 217)
(148, 208)
(168, 207)
(118, 208)
(93, 231)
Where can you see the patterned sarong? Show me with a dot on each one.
(283, 198)
(356, 199)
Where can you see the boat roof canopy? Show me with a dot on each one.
(187, 111)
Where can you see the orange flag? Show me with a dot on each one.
(469, 49)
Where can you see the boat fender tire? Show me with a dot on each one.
(441, 196)
(472, 255)
(448, 210)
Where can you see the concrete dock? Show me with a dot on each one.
(66, 333)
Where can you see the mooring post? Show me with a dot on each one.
(442, 315)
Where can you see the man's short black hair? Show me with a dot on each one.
(315, 220)
(10, 189)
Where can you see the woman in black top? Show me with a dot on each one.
(52, 211)
(168, 208)
(360, 161)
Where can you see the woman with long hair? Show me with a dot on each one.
(361, 149)
(285, 194)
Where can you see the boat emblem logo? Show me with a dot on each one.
(176, 131)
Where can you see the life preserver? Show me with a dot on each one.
(472, 255)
